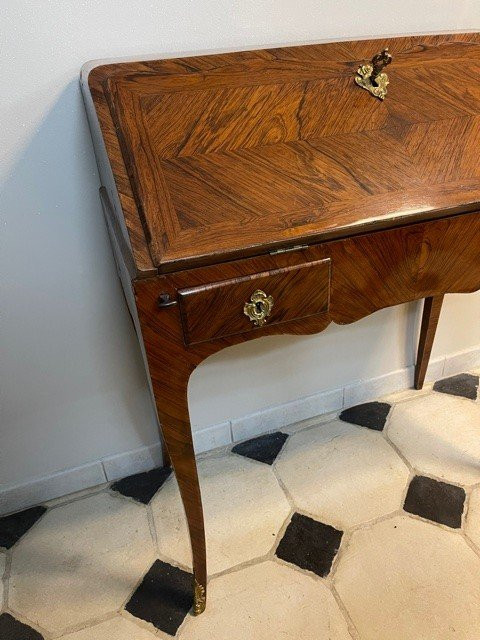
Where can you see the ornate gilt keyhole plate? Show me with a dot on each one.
(259, 307)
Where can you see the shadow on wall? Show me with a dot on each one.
(70, 359)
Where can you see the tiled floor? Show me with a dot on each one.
(364, 525)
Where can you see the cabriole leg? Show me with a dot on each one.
(178, 438)
(170, 366)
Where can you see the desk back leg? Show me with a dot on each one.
(431, 313)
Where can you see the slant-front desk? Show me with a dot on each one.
(273, 192)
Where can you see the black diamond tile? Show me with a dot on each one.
(435, 500)
(264, 448)
(13, 527)
(142, 486)
(11, 629)
(465, 385)
(164, 597)
(310, 544)
(372, 415)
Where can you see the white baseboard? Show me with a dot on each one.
(52, 486)
(130, 462)
(118, 466)
(218, 435)
(467, 360)
(282, 415)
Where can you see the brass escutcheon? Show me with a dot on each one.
(259, 307)
(372, 77)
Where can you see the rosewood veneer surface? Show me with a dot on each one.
(231, 153)
(211, 164)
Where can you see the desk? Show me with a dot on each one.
(265, 192)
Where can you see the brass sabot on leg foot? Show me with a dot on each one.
(199, 599)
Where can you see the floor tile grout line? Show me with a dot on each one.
(269, 556)
(373, 521)
(281, 533)
(92, 622)
(96, 490)
(305, 572)
(407, 487)
(453, 483)
(471, 544)
(344, 545)
(325, 580)
(332, 418)
(352, 629)
(413, 394)
(25, 620)
(439, 525)
(466, 506)
(146, 626)
(283, 487)
(397, 450)
(266, 557)
(152, 525)
(455, 395)
(399, 453)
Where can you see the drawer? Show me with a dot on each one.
(251, 302)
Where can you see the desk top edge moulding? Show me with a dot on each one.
(276, 191)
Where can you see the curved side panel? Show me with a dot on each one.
(387, 268)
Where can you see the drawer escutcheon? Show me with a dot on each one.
(259, 307)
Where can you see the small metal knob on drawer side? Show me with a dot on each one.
(164, 301)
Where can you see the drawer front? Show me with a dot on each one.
(250, 302)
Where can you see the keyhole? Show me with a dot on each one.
(259, 307)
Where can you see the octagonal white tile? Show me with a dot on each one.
(80, 561)
(117, 628)
(342, 474)
(268, 601)
(244, 509)
(440, 435)
(472, 521)
(403, 579)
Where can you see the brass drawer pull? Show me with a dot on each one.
(259, 307)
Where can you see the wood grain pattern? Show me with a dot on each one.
(210, 162)
(378, 270)
(228, 153)
(216, 309)
(431, 314)
(292, 148)
(170, 369)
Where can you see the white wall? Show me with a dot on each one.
(71, 380)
